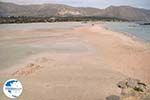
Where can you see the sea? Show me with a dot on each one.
(12, 53)
(141, 32)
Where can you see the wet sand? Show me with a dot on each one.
(81, 63)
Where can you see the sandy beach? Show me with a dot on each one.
(83, 62)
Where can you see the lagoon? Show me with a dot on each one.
(141, 32)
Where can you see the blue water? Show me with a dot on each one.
(142, 32)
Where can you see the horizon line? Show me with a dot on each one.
(76, 6)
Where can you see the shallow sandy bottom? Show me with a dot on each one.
(80, 63)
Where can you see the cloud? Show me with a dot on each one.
(91, 3)
(29, 1)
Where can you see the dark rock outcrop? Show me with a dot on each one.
(133, 89)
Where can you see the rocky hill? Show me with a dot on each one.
(46, 10)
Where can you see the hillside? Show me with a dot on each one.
(47, 10)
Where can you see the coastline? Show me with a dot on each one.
(99, 59)
(135, 38)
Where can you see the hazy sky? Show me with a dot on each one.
(90, 3)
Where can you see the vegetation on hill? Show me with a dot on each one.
(23, 19)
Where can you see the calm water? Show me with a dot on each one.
(29, 26)
(11, 52)
(142, 32)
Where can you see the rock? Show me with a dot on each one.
(113, 97)
(132, 83)
(133, 89)
(122, 84)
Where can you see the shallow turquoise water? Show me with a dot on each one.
(142, 32)
(12, 52)
(10, 55)
(32, 26)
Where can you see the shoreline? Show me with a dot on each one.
(135, 38)
(128, 41)
(101, 26)
(88, 60)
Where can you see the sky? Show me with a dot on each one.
(88, 3)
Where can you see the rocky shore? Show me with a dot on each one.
(133, 89)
